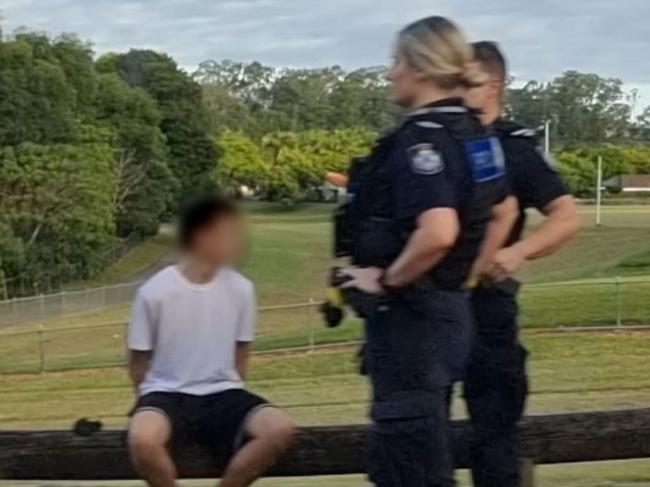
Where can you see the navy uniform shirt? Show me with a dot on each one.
(423, 165)
(531, 176)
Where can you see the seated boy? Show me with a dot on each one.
(189, 340)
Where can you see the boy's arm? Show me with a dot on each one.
(242, 354)
(140, 340)
(138, 364)
(246, 332)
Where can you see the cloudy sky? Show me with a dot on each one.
(542, 37)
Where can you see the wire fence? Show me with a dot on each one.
(49, 306)
(594, 305)
(53, 280)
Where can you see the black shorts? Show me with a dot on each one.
(216, 420)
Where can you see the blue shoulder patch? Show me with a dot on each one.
(486, 159)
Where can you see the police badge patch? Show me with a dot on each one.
(425, 159)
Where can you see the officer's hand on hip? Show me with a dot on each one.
(505, 263)
(366, 279)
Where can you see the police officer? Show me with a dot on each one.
(496, 383)
(421, 204)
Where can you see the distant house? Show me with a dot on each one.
(332, 193)
(629, 183)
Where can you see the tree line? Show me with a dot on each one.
(94, 150)
(588, 115)
(91, 151)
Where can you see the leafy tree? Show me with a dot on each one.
(56, 206)
(285, 166)
(578, 163)
(242, 163)
(37, 101)
(145, 183)
(582, 107)
(643, 125)
(257, 99)
(191, 151)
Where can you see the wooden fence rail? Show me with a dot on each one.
(562, 438)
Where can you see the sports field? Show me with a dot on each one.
(570, 371)
(288, 261)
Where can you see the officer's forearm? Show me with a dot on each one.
(436, 233)
(560, 225)
(504, 215)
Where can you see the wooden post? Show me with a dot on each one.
(334, 450)
(41, 350)
(4, 290)
(312, 313)
(619, 303)
(599, 190)
(527, 472)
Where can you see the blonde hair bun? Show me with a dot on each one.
(436, 47)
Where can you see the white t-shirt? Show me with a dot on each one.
(192, 330)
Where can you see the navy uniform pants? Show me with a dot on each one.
(416, 349)
(496, 388)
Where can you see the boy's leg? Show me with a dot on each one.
(271, 433)
(149, 434)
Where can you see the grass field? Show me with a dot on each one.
(133, 266)
(570, 372)
(288, 260)
(630, 473)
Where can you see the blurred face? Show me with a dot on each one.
(405, 81)
(477, 97)
(221, 243)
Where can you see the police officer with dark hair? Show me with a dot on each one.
(496, 384)
(421, 204)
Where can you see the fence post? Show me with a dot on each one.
(125, 352)
(42, 306)
(14, 317)
(312, 339)
(528, 472)
(619, 306)
(41, 350)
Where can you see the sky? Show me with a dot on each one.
(542, 38)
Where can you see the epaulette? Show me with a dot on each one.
(523, 132)
(427, 124)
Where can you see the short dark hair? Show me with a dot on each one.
(200, 212)
(491, 58)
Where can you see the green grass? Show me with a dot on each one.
(288, 261)
(629, 473)
(132, 265)
(570, 372)
(635, 264)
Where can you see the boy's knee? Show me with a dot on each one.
(281, 431)
(145, 447)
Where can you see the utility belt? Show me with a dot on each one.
(507, 286)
